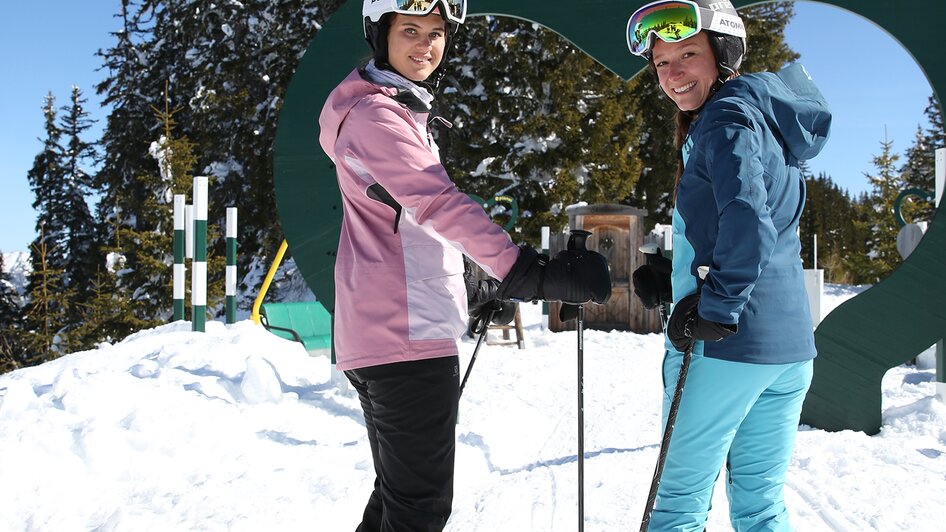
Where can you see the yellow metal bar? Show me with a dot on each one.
(269, 279)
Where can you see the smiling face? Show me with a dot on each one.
(686, 70)
(415, 44)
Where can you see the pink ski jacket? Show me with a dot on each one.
(399, 291)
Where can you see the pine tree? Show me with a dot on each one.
(229, 64)
(129, 90)
(539, 120)
(936, 132)
(859, 261)
(918, 172)
(832, 215)
(920, 168)
(811, 223)
(107, 316)
(82, 255)
(47, 181)
(886, 185)
(147, 243)
(46, 314)
(11, 323)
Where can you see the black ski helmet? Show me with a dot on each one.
(377, 15)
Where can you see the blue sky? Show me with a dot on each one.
(50, 45)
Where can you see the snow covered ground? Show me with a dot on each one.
(238, 430)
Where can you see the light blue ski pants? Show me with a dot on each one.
(745, 414)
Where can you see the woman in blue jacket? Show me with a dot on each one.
(739, 196)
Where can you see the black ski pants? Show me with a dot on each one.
(410, 413)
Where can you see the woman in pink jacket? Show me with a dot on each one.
(401, 301)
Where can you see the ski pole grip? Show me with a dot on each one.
(576, 240)
(702, 271)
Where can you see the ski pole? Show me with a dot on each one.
(581, 418)
(576, 242)
(480, 327)
(665, 442)
(652, 251)
(668, 429)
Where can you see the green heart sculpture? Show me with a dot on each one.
(857, 343)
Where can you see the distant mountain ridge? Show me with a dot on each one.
(17, 265)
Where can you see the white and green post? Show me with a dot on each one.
(179, 272)
(189, 232)
(231, 264)
(199, 266)
(545, 249)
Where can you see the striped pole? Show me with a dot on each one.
(189, 232)
(199, 266)
(179, 256)
(545, 249)
(231, 264)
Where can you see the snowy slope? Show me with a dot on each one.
(238, 430)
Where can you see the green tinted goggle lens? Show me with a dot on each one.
(456, 9)
(671, 21)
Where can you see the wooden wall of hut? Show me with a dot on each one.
(617, 232)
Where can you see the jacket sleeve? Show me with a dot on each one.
(746, 235)
(399, 158)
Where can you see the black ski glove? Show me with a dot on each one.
(652, 282)
(481, 299)
(686, 325)
(576, 276)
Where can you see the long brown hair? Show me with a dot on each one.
(683, 121)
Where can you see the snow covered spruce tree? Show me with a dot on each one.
(228, 64)
(46, 315)
(47, 181)
(108, 315)
(147, 244)
(886, 184)
(66, 247)
(130, 90)
(765, 26)
(239, 64)
(48, 295)
(537, 119)
(920, 167)
(11, 323)
(81, 244)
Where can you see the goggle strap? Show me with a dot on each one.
(706, 19)
(448, 13)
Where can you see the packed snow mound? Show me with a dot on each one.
(236, 429)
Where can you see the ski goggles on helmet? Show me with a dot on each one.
(452, 10)
(675, 21)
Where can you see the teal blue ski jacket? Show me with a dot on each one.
(738, 204)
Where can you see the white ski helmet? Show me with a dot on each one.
(677, 20)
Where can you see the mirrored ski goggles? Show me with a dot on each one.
(671, 20)
(455, 9)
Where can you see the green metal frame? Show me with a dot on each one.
(915, 192)
(857, 343)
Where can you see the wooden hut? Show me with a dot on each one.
(617, 232)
